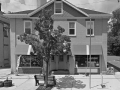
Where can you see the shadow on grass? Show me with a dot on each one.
(65, 82)
(69, 82)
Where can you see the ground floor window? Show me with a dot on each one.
(84, 61)
(30, 61)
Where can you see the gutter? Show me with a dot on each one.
(100, 15)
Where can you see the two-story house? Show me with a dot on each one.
(78, 23)
(4, 41)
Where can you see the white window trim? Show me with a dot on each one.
(5, 26)
(61, 7)
(71, 28)
(30, 26)
(93, 28)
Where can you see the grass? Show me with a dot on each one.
(65, 82)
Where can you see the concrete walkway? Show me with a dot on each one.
(27, 82)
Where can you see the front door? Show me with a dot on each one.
(62, 62)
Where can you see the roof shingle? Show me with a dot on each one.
(84, 10)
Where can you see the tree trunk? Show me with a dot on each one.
(46, 75)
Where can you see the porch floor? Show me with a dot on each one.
(60, 72)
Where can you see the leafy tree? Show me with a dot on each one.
(48, 41)
(114, 34)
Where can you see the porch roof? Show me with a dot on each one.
(23, 49)
(85, 50)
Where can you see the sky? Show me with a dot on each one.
(98, 5)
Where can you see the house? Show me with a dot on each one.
(4, 41)
(114, 61)
(76, 22)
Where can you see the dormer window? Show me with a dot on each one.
(58, 7)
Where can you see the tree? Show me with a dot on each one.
(49, 41)
(114, 34)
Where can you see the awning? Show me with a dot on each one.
(79, 49)
(23, 49)
(85, 50)
(96, 50)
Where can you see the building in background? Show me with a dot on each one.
(76, 22)
(4, 41)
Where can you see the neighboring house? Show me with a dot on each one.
(76, 22)
(114, 61)
(4, 41)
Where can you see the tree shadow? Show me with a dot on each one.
(69, 82)
(42, 87)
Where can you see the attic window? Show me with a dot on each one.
(58, 7)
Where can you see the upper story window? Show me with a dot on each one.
(6, 30)
(90, 28)
(61, 58)
(27, 27)
(52, 58)
(58, 7)
(72, 29)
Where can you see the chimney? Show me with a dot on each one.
(41, 2)
(0, 6)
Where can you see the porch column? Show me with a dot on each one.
(12, 46)
(72, 65)
(56, 62)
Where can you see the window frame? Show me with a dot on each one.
(55, 7)
(30, 25)
(71, 28)
(52, 58)
(61, 58)
(6, 28)
(87, 28)
(79, 62)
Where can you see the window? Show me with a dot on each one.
(27, 27)
(72, 29)
(30, 61)
(84, 61)
(52, 58)
(5, 30)
(88, 26)
(67, 58)
(61, 58)
(58, 7)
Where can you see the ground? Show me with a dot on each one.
(73, 82)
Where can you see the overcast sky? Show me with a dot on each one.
(98, 5)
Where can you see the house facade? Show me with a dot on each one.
(4, 41)
(88, 51)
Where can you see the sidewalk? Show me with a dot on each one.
(27, 82)
(20, 82)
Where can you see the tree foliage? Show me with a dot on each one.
(49, 41)
(114, 34)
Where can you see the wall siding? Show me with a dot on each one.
(68, 11)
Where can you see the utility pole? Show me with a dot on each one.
(90, 56)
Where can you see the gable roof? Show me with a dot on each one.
(114, 61)
(51, 1)
(23, 12)
(86, 12)
(91, 11)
